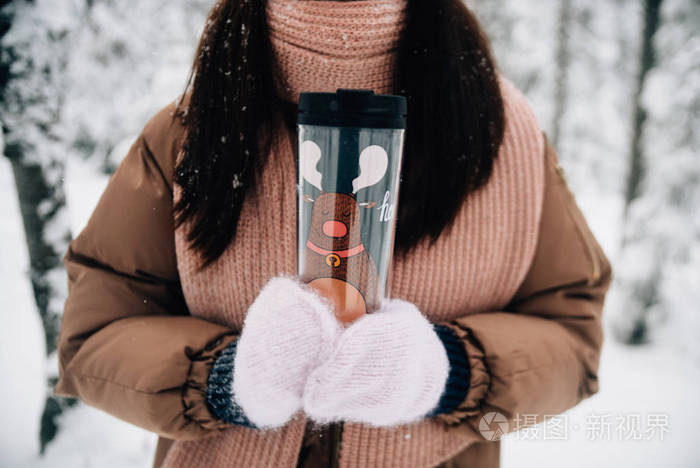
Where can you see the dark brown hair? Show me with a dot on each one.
(455, 120)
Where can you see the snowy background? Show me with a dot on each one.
(615, 83)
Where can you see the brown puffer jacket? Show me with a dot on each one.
(129, 347)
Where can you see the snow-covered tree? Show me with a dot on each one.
(129, 58)
(522, 38)
(35, 50)
(80, 79)
(615, 85)
(659, 266)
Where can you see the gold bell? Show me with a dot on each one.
(332, 260)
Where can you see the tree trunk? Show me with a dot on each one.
(647, 60)
(39, 181)
(645, 292)
(563, 60)
(40, 202)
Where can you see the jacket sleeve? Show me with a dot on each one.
(539, 356)
(127, 344)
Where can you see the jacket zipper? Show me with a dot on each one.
(336, 430)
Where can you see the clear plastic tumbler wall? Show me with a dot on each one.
(350, 149)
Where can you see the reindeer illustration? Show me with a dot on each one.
(336, 262)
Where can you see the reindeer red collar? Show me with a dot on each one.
(340, 253)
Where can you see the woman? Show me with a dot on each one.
(184, 316)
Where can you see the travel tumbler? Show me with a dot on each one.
(350, 146)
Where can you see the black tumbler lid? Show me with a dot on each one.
(352, 108)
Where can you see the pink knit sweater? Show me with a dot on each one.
(477, 266)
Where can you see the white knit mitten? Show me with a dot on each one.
(287, 331)
(387, 368)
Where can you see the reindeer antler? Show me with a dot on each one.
(373, 164)
(310, 154)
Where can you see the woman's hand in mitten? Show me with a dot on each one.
(387, 368)
(287, 331)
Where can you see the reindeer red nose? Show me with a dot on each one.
(334, 229)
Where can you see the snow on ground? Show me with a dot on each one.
(655, 383)
(91, 438)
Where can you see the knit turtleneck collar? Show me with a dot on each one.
(322, 45)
